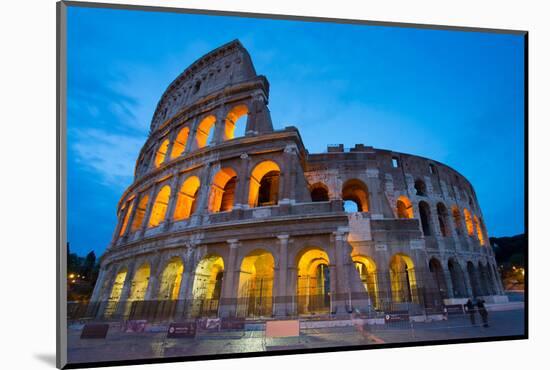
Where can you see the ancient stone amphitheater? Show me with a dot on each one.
(229, 217)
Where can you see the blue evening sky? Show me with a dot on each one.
(456, 97)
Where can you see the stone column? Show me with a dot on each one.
(149, 209)
(281, 297)
(98, 288)
(342, 286)
(131, 218)
(185, 294)
(204, 189)
(230, 284)
(175, 184)
(243, 182)
(219, 128)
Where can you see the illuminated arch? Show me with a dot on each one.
(468, 221)
(264, 184)
(256, 284)
(171, 279)
(404, 207)
(185, 204)
(140, 213)
(204, 131)
(313, 281)
(116, 292)
(366, 268)
(357, 192)
(158, 213)
(160, 157)
(126, 218)
(319, 192)
(207, 286)
(222, 191)
(479, 231)
(140, 283)
(180, 143)
(232, 120)
(403, 279)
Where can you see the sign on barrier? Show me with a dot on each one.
(94, 331)
(282, 328)
(182, 330)
(396, 316)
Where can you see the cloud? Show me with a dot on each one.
(110, 156)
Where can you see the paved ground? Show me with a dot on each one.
(123, 346)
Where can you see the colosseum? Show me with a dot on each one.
(228, 217)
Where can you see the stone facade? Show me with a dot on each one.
(255, 225)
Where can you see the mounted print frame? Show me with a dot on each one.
(234, 184)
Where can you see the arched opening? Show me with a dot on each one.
(313, 282)
(468, 221)
(404, 207)
(116, 291)
(140, 213)
(140, 283)
(222, 191)
(319, 193)
(403, 279)
(203, 137)
(484, 279)
(457, 279)
(457, 220)
(420, 188)
(425, 215)
(255, 296)
(478, 231)
(474, 279)
(186, 202)
(356, 191)
(126, 218)
(442, 218)
(264, 185)
(366, 268)
(180, 143)
(439, 277)
(235, 122)
(158, 213)
(171, 279)
(207, 286)
(160, 157)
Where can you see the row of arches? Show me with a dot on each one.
(355, 195)
(263, 191)
(314, 283)
(234, 125)
(473, 224)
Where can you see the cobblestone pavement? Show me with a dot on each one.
(124, 346)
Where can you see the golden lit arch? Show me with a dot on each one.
(366, 268)
(403, 279)
(126, 218)
(171, 279)
(204, 131)
(180, 143)
(207, 285)
(158, 214)
(404, 207)
(356, 191)
(313, 281)
(457, 219)
(185, 205)
(231, 120)
(256, 284)
(160, 157)
(469, 223)
(257, 176)
(140, 213)
(222, 191)
(116, 291)
(140, 283)
(479, 231)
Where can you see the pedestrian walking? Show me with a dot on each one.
(470, 308)
(483, 312)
